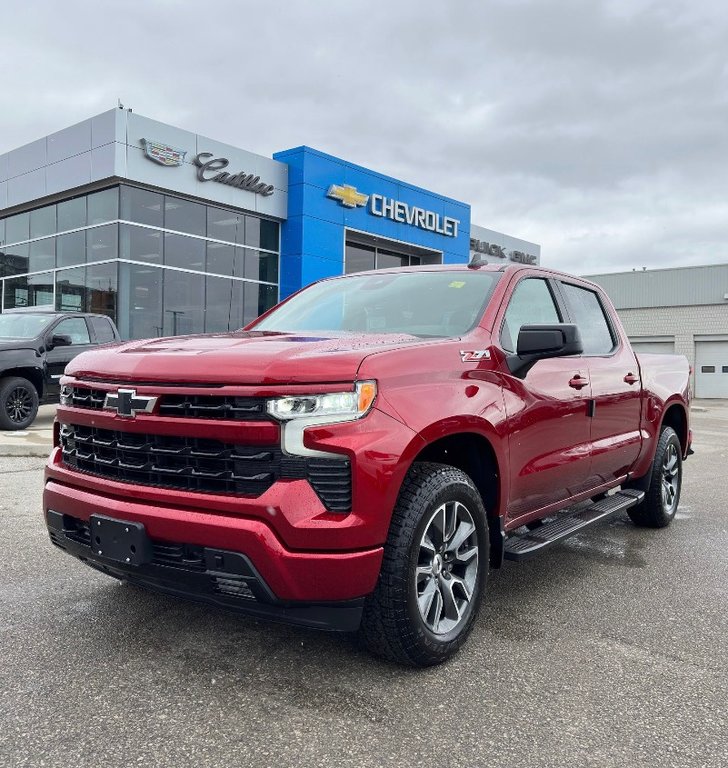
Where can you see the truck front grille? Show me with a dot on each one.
(200, 465)
(226, 407)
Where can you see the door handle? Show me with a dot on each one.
(630, 378)
(578, 382)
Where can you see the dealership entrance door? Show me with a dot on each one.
(365, 252)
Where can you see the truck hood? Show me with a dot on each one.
(243, 357)
(9, 345)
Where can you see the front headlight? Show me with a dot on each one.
(332, 406)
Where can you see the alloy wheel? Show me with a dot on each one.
(670, 479)
(447, 567)
(19, 405)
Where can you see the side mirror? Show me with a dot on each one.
(60, 340)
(539, 342)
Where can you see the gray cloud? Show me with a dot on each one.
(597, 129)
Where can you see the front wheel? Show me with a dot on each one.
(18, 403)
(433, 571)
(659, 506)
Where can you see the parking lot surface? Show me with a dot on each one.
(609, 650)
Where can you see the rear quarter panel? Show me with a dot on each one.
(665, 382)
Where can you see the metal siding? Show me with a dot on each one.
(507, 242)
(680, 287)
(109, 145)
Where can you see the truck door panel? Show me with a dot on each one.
(59, 357)
(615, 386)
(549, 432)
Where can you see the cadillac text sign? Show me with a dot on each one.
(209, 168)
(212, 170)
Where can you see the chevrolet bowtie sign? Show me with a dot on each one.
(396, 210)
(347, 195)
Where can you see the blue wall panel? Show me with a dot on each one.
(312, 239)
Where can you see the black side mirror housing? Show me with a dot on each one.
(539, 342)
(60, 340)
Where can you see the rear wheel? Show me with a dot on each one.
(18, 403)
(659, 506)
(433, 571)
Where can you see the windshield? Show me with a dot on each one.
(437, 304)
(23, 326)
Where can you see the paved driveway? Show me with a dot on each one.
(610, 650)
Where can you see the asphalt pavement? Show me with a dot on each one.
(609, 650)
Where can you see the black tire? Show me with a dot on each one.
(659, 506)
(18, 403)
(393, 625)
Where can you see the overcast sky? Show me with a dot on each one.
(597, 129)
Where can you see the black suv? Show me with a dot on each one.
(35, 347)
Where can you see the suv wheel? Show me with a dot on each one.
(659, 506)
(433, 571)
(18, 403)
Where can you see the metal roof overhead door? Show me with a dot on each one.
(711, 369)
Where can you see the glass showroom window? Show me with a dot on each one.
(88, 289)
(142, 206)
(28, 291)
(141, 244)
(140, 301)
(184, 302)
(14, 259)
(192, 263)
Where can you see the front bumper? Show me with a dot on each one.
(224, 578)
(285, 583)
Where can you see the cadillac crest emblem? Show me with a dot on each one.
(162, 153)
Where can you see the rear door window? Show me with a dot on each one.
(587, 312)
(103, 330)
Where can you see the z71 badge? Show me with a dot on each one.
(474, 355)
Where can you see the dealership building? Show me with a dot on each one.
(683, 310)
(170, 232)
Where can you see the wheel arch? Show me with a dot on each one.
(480, 456)
(676, 416)
(32, 374)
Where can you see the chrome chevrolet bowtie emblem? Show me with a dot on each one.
(127, 403)
(347, 195)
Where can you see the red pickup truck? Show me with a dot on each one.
(361, 455)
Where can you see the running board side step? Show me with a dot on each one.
(524, 546)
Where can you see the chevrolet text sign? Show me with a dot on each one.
(396, 210)
(412, 215)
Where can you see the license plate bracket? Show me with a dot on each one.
(119, 540)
